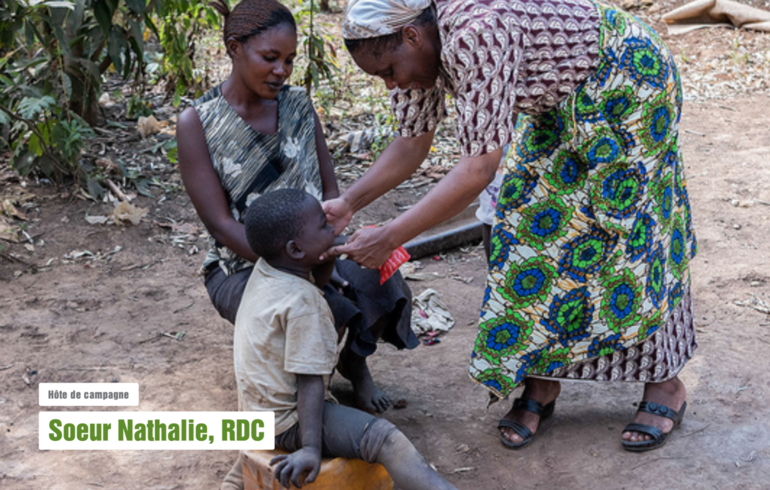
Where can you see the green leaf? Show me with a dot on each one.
(114, 47)
(24, 64)
(61, 37)
(30, 107)
(137, 6)
(95, 189)
(143, 187)
(138, 47)
(5, 80)
(137, 31)
(171, 151)
(29, 32)
(46, 165)
(75, 18)
(22, 162)
(4, 119)
(86, 167)
(103, 11)
(127, 64)
(151, 25)
(34, 145)
(60, 4)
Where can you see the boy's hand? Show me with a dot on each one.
(293, 466)
(337, 280)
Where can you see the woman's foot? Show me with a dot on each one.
(369, 397)
(540, 390)
(672, 394)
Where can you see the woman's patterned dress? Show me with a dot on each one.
(588, 277)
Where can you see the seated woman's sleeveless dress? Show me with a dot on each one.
(250, 163)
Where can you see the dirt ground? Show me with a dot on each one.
(97, 317)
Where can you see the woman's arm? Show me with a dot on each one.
(371, 247)
(399, 161)
(325, 165)
(310, 408)
(203, 186)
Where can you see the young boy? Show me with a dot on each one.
(285, 349)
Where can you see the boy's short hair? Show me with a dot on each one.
(273, 219)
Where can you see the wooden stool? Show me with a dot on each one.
(336, 474)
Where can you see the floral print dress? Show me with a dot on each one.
(588, 275)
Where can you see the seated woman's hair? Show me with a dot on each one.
(252, 17)
(383, 44)
(273, 219)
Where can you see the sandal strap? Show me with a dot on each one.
(529, 405)
(519, 428)
(650, 430)
(658, 409)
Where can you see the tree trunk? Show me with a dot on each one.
(85, 100)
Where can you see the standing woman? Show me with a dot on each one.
(588, 275)
(254, 134)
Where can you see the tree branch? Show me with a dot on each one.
(32, 128)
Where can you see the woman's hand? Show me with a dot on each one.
(369, 247)
(293, 466)
(338, 214)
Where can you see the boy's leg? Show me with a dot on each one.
(406, 465)
(354, 368)
(354, 434)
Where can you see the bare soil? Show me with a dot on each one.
(100, 317)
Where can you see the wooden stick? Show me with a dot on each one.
(11, 258)
(114, 188)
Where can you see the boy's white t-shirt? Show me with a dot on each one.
(284, 327)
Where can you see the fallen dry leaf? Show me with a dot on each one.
(9, 209)
(147, 126)
(96, 220)
(108, 165)
(126, 212)
(8, 232)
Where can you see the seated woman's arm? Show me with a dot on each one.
(203, 186)
(325, 166)
(396, 164)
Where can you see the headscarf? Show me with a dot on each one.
(373, 18)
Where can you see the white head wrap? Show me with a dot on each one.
(373, 18)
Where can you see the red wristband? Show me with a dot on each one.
(398, 257)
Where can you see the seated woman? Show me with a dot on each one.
(251, 135)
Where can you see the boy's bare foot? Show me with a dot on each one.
(672, 394)
(540, 390)
(369, 397)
